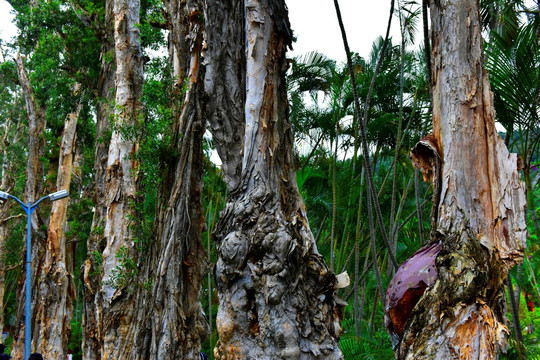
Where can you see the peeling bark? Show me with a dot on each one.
(276, 294)
(114, 300)
(170, 320)
(36, 126)
(56, 288)
(225, 83)
(91, 343)
(481, 204)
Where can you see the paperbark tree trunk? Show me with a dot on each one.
(170, 320)
(481, 202)
(114, 300)
(276, 294)
(91, 343)
(56, 288)
(36, 142)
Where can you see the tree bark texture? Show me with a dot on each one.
(114, 300)
(56, 288)
(33, 186)
(276, 294)
(170, 319)
(481, 202)
(225, 83)
(91, 343)
(36, 126)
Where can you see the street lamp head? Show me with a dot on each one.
(58, 195)
(3, 196)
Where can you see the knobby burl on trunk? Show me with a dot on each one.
(480, 216)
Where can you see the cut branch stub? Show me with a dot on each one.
(425, 157)
(407, 287)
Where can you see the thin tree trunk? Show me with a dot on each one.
(360, 315)
(34, 170)
(514, 307)
(481, 217)
(365, 149)
(393, 223)
(276, 293)
(427, 46)
(358, 310)
(92, 320)
(419, 207)
(334, 205)
(373, 310)
(56, 288)
(372, 242)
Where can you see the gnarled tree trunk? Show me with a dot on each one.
(56, 288)
(170, 321)
(480, 215)
(276, 293)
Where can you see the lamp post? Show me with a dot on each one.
(29, 209)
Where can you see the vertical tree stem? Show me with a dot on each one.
(362, 124)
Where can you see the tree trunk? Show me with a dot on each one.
(56, 288)
(91, 342)
(481, 207)
(118, 277)
(33, 186)
(225, 84)
(276, 294)
(170, 318)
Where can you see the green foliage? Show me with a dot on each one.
(152, 37)
(125, 272)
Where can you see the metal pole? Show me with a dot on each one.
(29, 209)
(27, 318)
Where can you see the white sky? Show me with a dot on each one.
(7, 29)
(314, 23)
